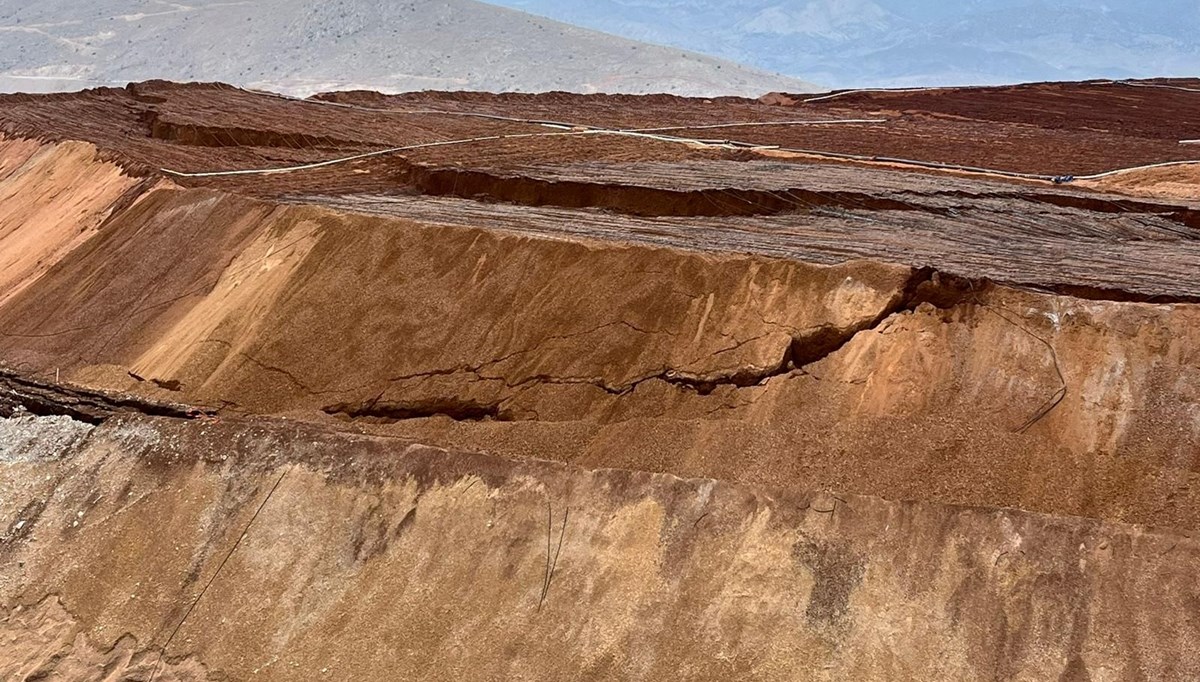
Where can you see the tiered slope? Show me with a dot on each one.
(880, 319)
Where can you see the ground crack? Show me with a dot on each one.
(390, 412)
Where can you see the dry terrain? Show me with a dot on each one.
(882, 385)
(305, 46)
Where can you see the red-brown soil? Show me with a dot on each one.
(529, 278)
(1049, 129)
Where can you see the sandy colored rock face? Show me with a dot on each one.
(45, 641)
(440, 560)
(52, 199)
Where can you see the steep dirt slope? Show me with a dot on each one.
(883, 362)
(561, 349)
(59, 195)
(272, 551)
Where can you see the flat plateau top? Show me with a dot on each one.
(963, 180)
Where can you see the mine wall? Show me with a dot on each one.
(735, 367)
(275, 550)
(246, 439)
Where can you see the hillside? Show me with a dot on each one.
(881, 386)
(301, 47)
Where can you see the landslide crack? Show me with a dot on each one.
(638, 200)
(925, 285)
(46, 399)
(743, 377)
(196, 135)
(389, 412)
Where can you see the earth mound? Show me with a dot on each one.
(877, 385)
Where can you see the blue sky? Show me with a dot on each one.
(852, 43)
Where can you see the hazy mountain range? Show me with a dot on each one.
(853, 43)
(303, 46)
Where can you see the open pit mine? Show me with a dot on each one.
(870, 386)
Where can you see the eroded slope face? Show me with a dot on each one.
(703, 364)
(53, 199)
(270, 551)
(609, 300)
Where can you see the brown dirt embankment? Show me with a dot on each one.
(243, 550)
(865, 377)
(52, 199)
(1167, 182)
(44, 641)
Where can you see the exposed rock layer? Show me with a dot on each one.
(605, 300)
(709, 365)
(463, 566)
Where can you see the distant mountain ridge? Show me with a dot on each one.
(304, 46)
(857, 43)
